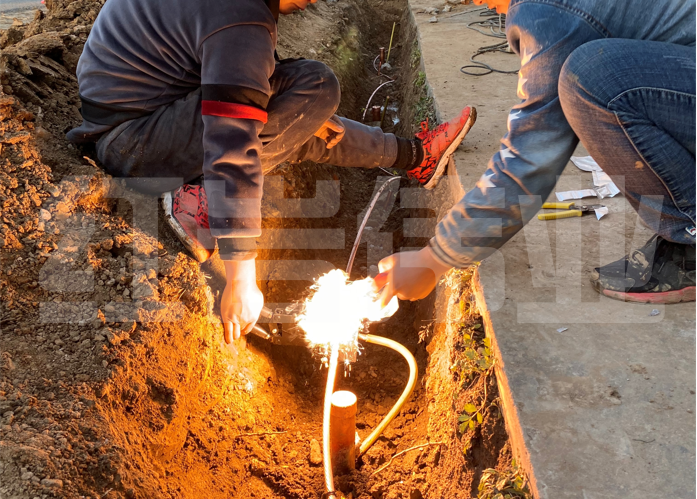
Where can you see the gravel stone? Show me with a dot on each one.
(315, 452)
(51, 482)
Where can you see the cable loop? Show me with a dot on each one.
(497, 29)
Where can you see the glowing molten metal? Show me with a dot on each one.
(338, 310)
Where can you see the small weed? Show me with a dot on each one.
(470, 418)
(474, 360)
(457, 278)
(415, 55)
(477, 357)
(510, 484)
(424, 109)
(425, 331)
(420, 79)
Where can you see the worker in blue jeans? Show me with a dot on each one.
(619, 77)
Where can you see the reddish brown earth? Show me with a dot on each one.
(114, 382)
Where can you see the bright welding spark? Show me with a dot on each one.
(337, 310)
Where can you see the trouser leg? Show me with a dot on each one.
(305, 95)
(165, 149)
(632, 105)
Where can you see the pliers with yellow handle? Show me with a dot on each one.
(571, 210)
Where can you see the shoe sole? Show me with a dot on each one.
(666, 297)
(445, 158)
(200, 253)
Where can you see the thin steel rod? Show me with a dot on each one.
(326, 451)
(391, 37)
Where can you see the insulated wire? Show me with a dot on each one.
(497, 29)
(373, 95)
(377, 71)
(408, 390)
(372, 204)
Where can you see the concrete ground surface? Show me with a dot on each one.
(600, 394)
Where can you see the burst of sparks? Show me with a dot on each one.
(338, 310)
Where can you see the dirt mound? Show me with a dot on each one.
(113, 379)
(101, 327)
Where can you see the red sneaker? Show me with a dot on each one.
(439, 145)
(186, 211)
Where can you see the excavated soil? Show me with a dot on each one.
(114, 381)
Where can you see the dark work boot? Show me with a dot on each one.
(660, 272)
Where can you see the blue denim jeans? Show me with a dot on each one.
(632, 104)
(618, 75)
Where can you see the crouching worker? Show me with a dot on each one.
(188, 96)
(619, 77)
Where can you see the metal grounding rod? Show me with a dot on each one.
(334, 361)
(370, 440)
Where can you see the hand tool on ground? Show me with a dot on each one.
(571, 210)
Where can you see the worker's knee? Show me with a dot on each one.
(586, 81)
(597, 72)
(327, 85)
(574, 78)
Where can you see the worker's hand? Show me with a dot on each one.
(410, 275)
(242, 301)
(332, 131)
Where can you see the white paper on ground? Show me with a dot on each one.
(566, 195)
(607, 191)
(601, 178)
(604, 186)
(586, 163)
(600, 212)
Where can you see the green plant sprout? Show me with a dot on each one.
(509, 484)
(470, 418)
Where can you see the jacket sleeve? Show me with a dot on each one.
(236, 64)
(536, 148)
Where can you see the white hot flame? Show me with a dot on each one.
(336, 311)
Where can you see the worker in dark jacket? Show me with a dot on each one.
(178, 90)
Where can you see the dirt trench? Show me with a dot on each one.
(114, 382)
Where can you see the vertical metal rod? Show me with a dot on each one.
(394, 24)
(331, 377)
(342, 436)
(384, 111)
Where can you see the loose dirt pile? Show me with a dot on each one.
(113, 379)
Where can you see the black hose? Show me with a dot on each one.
(497, 29)
(484, 68)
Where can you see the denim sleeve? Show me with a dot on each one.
(536, 148)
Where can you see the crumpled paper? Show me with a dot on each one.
(586, 163)
(604, 186)
(601, 212)
(607, 191)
